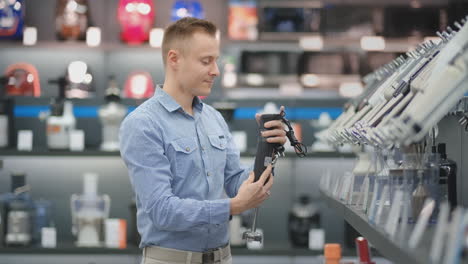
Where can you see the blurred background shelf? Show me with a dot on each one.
(97, 152)
(376, 236)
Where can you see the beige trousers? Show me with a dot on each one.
(159, 255)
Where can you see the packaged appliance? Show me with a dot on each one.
(243, 20)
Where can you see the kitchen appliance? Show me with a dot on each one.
(18, 212)
(187, 8)
(60, 119)
(139, 85)
(111, 115)
(71, 19)
(303, 217)
(89, 212)
(11, 19)
(136, 18)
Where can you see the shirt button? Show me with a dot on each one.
(187, 149)
(208, 174)
(203, 148)
(221, 145)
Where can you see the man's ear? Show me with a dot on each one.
(173, 57)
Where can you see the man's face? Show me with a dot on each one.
(197, 65)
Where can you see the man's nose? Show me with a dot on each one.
(215, 70)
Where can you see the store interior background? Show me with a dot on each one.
(56, 176)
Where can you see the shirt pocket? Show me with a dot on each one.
(218, 149)
(186, 157)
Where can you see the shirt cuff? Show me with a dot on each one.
(219, 211)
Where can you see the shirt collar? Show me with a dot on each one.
(170, 104)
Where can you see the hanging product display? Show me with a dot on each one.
(405, 103)
(139, 85)
(243, 20)
(11, 19)
(136, 18)
(375, 59)
(448, 177)
(111, 115)
(89, 212)
(71, 19)
(187, 8)
(23, 80)
(79, 81)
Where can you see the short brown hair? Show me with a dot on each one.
(183, 29)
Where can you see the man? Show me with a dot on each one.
(182, 159)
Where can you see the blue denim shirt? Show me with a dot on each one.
(181, 167)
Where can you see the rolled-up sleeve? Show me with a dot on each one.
(142, 150)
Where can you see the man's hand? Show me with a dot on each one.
(277, 134)
(251, 194)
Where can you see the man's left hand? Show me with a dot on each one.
(277, 134)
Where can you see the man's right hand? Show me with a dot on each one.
(251, 194)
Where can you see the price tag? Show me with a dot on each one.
(77, 140)
(48, 237)
(316, 239)
(25, 140)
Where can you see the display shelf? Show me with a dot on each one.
(58, 153)
(330, 44)
(77, 45)
(97, 152)
(69, 248)
(290, 42)
(378, 238)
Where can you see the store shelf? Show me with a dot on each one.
(70, 249)
(96, 152)
(378, 238)
(59, 153)
(77, 45)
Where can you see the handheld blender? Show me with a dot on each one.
(268, 153)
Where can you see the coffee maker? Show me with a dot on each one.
(303, 217)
